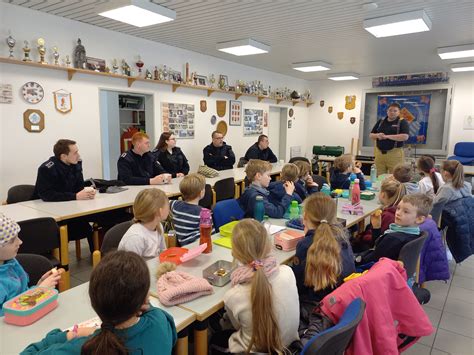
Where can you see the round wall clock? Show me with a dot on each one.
(32, 92)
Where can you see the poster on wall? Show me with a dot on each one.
(414, 108)
(235, 113)
(6, 94)
(253, 122)
(178, 119)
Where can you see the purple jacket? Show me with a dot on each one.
(433, 259)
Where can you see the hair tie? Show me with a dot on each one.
(107, 326)
(256, 264)
(323, 221)
(432, 170)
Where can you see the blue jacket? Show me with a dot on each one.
(277, 192)
(13, 281)
(134, 169)
(273, 208)
(433, 259)
(304, 191)
(458, 217)
(343, 180)
(299, 265)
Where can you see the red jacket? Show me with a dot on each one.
(391, 309)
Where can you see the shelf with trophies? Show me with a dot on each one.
(163, 75)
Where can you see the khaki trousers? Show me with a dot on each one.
(386, 162)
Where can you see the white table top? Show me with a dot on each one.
(19, 212)
(73, 307)
(468, 169)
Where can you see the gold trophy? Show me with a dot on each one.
(41, 50)
(26, 51)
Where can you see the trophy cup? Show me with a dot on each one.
(212, 80)
(56, 55)
(41, 50)
(68, 61)
(11, 43)
(115, 66)
(26, 51)
(156, 74)
(139, 65)
(125, 68)
(148, 75)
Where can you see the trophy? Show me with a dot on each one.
(139, 65)
(79, 55)
(212, 80)
(125, 68)
(26, 51)
(165, 73)
(115, 66)
(156, 74)
(56, 55)
(68, 61)
(11, 43)
(41, 50)
(148, 75)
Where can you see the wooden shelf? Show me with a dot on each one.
(71, 72)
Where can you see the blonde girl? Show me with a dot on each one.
(145, 235)
(454, 188)
(263, 301)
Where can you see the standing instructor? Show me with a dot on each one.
(389, 134)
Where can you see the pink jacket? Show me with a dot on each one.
(391, 309)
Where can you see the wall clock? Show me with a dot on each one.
(32, 92)
(33, 120)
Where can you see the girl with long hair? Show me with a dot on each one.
(118, 290)
(432, 180)
(263, 301)
(171, 157)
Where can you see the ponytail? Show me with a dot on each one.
(394, 189)
(265, 331)
(426, 164)
(104, 343)
(323, 259)
(456, 170)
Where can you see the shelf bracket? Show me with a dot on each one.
(130, 81)
(309, 103)
(70, 73)
(260, 98)
(175, 86)
(237, 95)
(209, 92)
(279, 100)
(295, 102)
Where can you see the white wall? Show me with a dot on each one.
(22, 152)
(326, 129)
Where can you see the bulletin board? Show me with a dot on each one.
(253, 122)
(178, 119)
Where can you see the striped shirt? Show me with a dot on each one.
(186, 221)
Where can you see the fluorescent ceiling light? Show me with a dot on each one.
(139, 13)
(399, 24)
(462, 67)
(311, 66)
(456, 52)
(343, 76)
(242, 47)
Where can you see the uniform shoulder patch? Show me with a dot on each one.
(123, 155)
(49, 164)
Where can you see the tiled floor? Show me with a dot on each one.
(451, 308)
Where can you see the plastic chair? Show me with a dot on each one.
(226, 211)
(111, 241)
(225, 189)
(464, 153)
(35, 266)
(209, 199)
(334, 340)
(410, 256)
(292, 160)
(20, 193)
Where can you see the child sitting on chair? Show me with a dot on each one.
(404, 174)
(186, 213)
(289, 172)
(145, 235)
(13, 278)
(258, 173)
(341, 176)
(411, 212)
(305, 185)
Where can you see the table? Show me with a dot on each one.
(74, 307)
(19, 212)
(468, 169)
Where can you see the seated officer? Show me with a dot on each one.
(60, 179)
(138, 166)
(218, 155)
(261, 150)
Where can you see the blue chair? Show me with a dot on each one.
(334, 340)
(226, 211)
(464, 153)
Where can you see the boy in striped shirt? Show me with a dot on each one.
(186, 212)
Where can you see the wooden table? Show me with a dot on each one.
(74, 307)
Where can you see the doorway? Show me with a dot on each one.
(121, 115)
(277, 130)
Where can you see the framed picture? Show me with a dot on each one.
(223, 81)
(253, 122)
(235, 113)
(95, 64)
(201, 80)
(62, 101)
(6, 94)
(178, 119)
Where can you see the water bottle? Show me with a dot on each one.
(373, 174)
(259, 210)
(171, 238)
(350, 190)
(205, 229)
(294, 210)
(355, 194)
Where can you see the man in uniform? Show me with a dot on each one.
(389, 134)
(218, 155)
(261, 150)
(60, 179)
